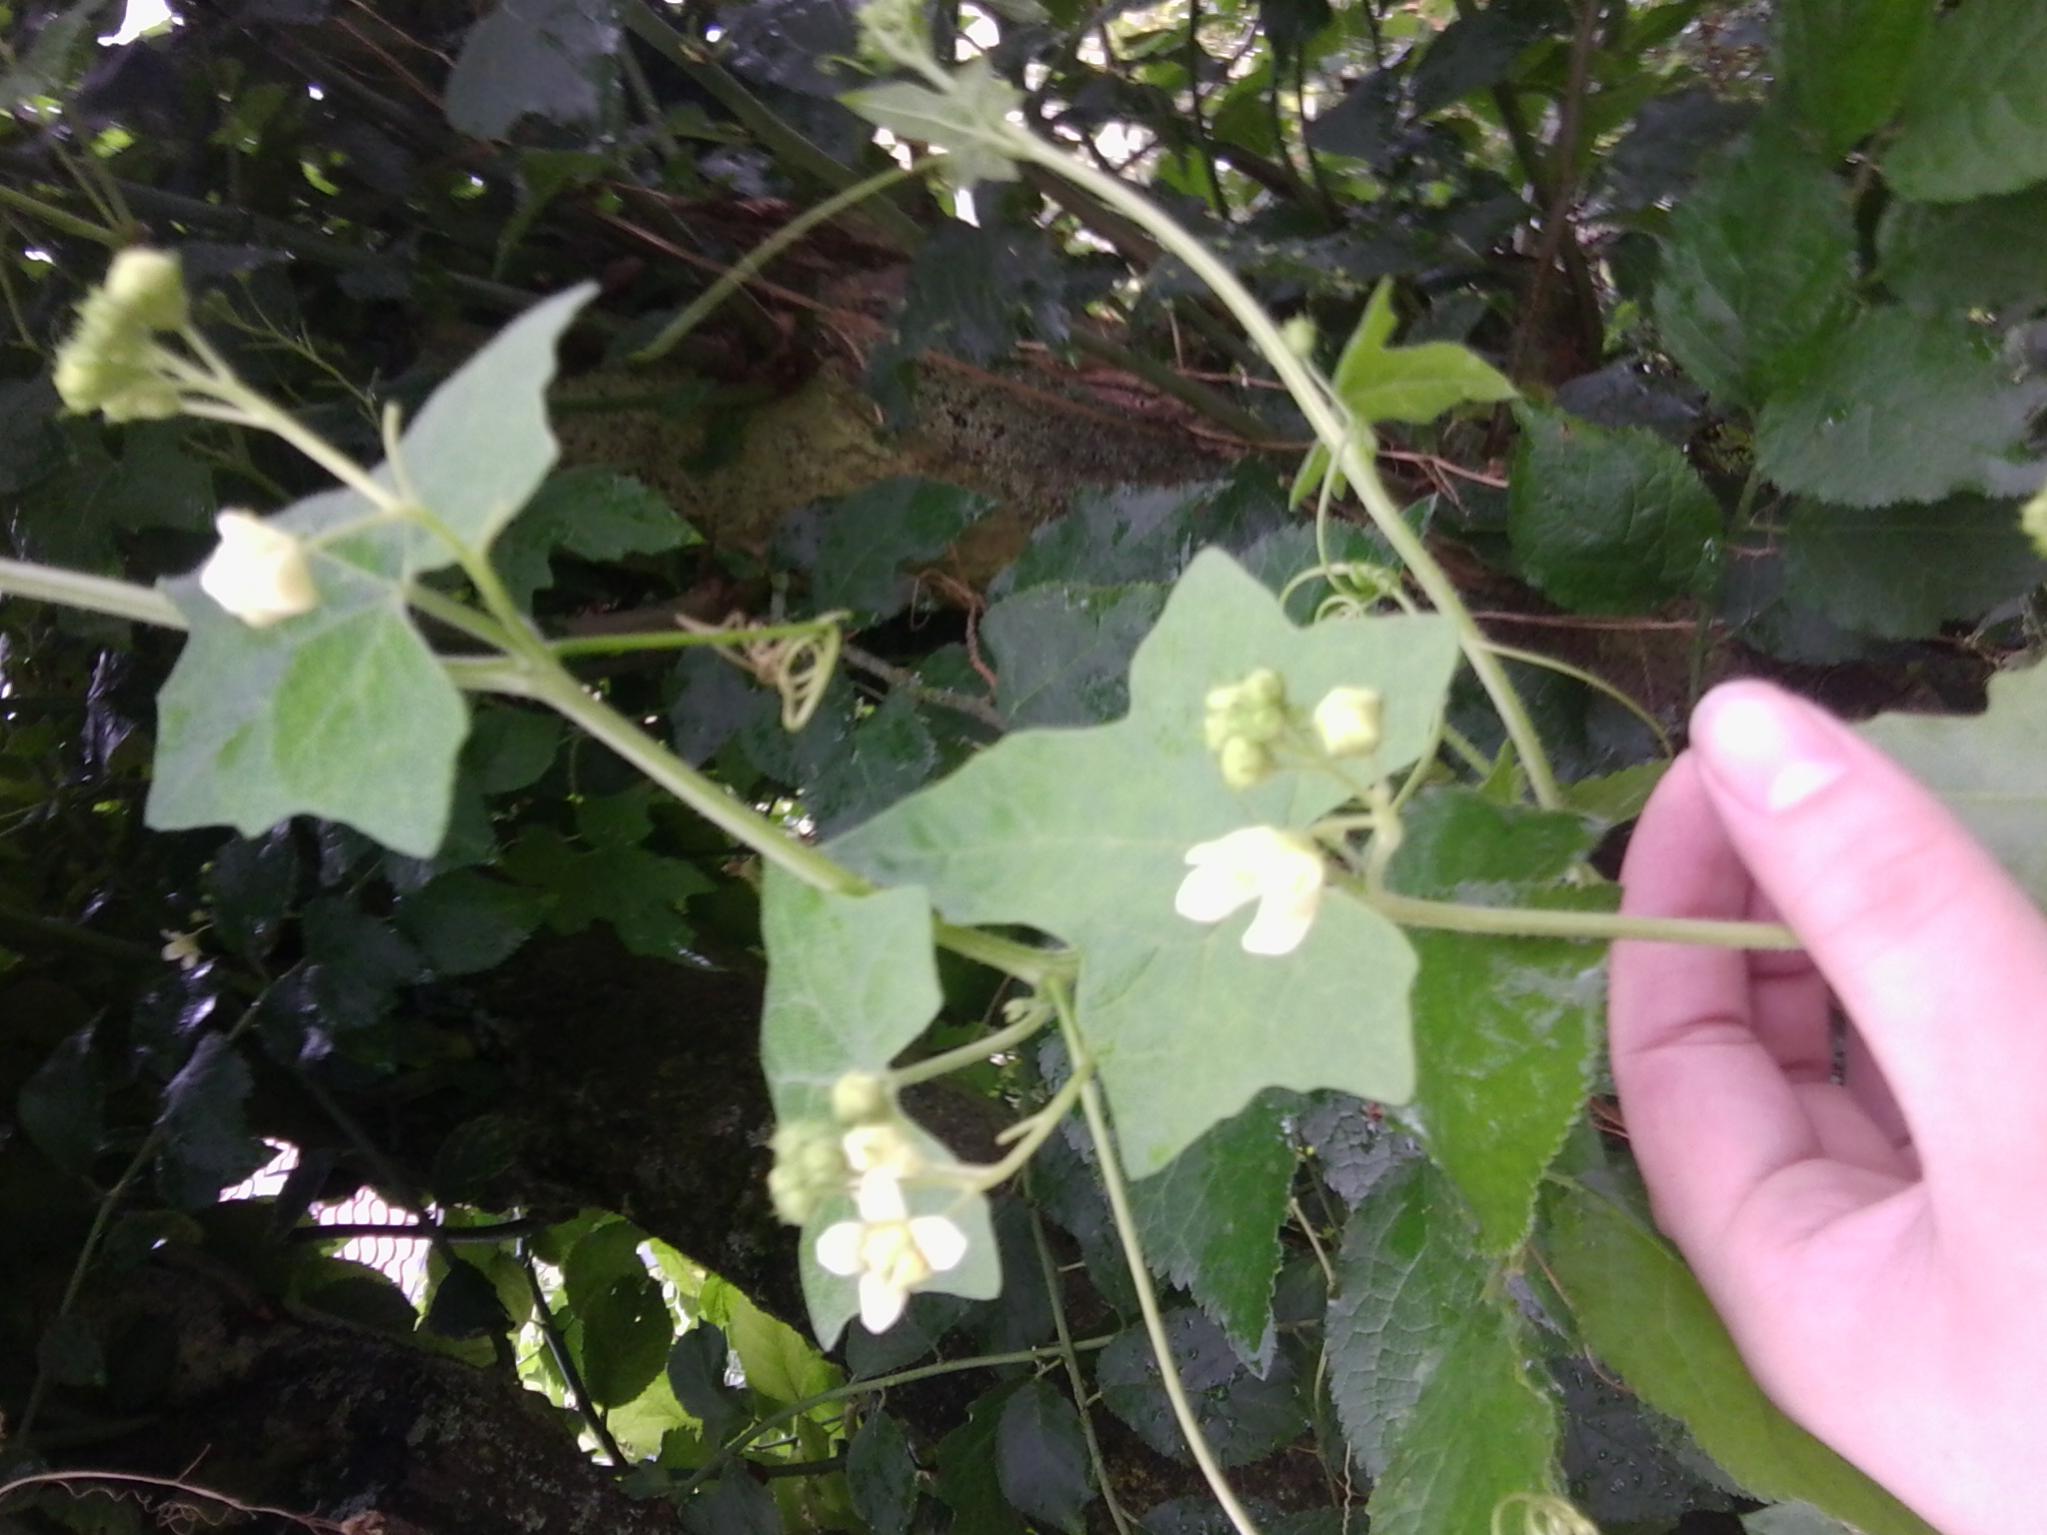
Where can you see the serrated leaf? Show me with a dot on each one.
(639, 893)
(1062, 653)
(1608, 522)
(1084, 834)
(968, 1482)
(1506, 1029)
(590, 511)
(204, 1141)
(1974, 122)
(851, 981)
(780, 1364)
(1985, 254)
(1146, 533)
(1041, 1458)
(465, 922)
(1900, 572)
(1839, 434)
(735, 1504)
(249, 889)
(1844, 64)
(1986, 768)
(1483, 1432)
(62, 1108)
(862, 549)
(1757, 272)
(1244, 1417)
(1644, 1315)
(342, 713)
(1210, 1221)
(969, 120)
(624, 1334)
(881, 1475)
(1408, 1267)
(544, 58)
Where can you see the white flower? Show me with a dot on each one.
(1348, 721)
(880, 1148)
(1283, 873)
(259, 574)
(891, 1250)
(182, 949)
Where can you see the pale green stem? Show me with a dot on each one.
(677, 639)
(1331, 424)
(1033, 1132)
(58, 219)
(854, 1388)
(1075, 1381)
(1592, 680)
(459, 616)
(1140, 1276)
(973, 1053)
(1464, 747)
(749, 265)
(95, 594)
(1588, 926)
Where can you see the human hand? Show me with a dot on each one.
(1877, 1246)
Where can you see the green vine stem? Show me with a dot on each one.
(59, 220)
(1140, 1274)
(1075, 1381)
(744, 270)
(94, 594)
(1337, 433)
(679, 639)
(1589, 926)
(774, 1420)
(973, 1053)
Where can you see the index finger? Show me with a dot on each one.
(1937, 955)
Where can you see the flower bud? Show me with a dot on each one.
(148, 288)
(810, 1167)
(1299, 334)
(880, 1148)
(861, 1098)
(1245, 763)
(258, 572)
(1265, 686)
(1349, 722)
(2033, 521)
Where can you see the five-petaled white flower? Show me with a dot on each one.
(258, 573)
(891, 1250)
(182, 949)
(1282, 872)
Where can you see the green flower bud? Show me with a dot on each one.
(1349, 722)
(148, 288)
(810, 1167)
(861, 1098)
(1265, 686)
(2033, 520)
(1299, 335)
(1245, 763)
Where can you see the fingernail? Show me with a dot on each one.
(1771, 751)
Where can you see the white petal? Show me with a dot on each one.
(838, 1248)
(1280, 925)
(880, 1198)
(1211, 891)
(881, 1303)
(941, 1242)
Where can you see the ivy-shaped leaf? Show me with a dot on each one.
(638, 892)
(590, 511)
(1974, 121)
(1084, 833)
(204, 1140)
(547, 58)
(1400, 383)
(861, 549)
(1210, 1221)
(851, 981)
(1062, 653)
(969, 120)
(1644, 1314)
(1244, 1417)
(1986, 768)
(1838, 434)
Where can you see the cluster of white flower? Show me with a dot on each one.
(869, 1153)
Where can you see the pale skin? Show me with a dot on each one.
(1878, 1247)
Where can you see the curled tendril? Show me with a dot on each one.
(1541, 1513)
(798, 667)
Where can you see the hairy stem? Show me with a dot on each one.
(1588, 926)
(95, 594)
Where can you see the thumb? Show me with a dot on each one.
(1929, 946)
